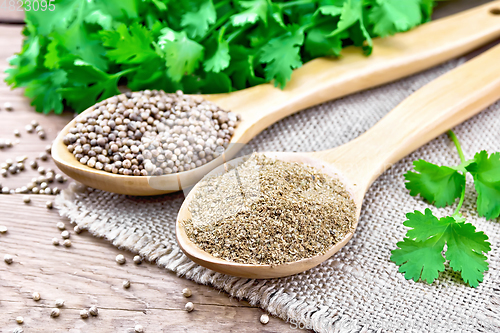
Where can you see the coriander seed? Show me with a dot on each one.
(34, 165)
(186, 292)
(19, 320)
(94, 311)
(5, 190)
(126, 284)
(8, 259)
(26, 199)
(138, 329)
(77, 229)
(55, 242)
(36, 296)
(59, 303)
(120, 259)
(17, 133)
(264, 319)
(49, 205)
(65, 234)
(55, 312)
(3, 229)
(29, 128)
(8, 106)
(61, 225)
(44, 156)
(137, 260)
(84, 313)
(67, 243)
(189, 306)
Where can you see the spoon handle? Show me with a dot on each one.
(427, 113)
(393, 57)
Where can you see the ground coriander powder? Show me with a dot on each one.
(270, 212)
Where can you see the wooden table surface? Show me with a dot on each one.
(86, 273)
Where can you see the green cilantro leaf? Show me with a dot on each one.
(391, 16)
(45, 91)
(465, 251)
(420, 253)
(281, 56)
(197, 22)
(182, 54)
(219, 58)
(419, 259)
(129, 45)
(46, 21)
(319, 43)
(486, 173)
(439, 185)
(25, 64)
(242, 71)
(255, 10)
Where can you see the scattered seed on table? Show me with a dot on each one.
(47, 190)
(55, 190)
(59, 178)
(93, 310)
(65, 234)
(26, 199)
(59, 303)
(137, 260)
(120, 259)
(17, 133)
(77, 229)
(60, 225)
(34, 123)
(35, 190)
(264, 319)
(67, 243)
(29, 128)
(84, 314)
(50, 177)
(44, 156)
(19, 320)
(39, 128)
(49, 205)
(41, 170)
(8, 143)
(4, 173)
(20, 166)
(55, 312)
(3, 229)
(186, 292)
(189, 306)
(8, 106)
(8, 259)
(13, 169)
(34, 164)
(5, 190)
(36, 296)
(12, 191)
(126, 284)
(55, 241)
(48, 149)
(138, 329)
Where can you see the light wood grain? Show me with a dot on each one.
(318, 81)
(87, 274)
(427, 113)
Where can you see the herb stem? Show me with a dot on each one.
(454, 138)
(217, 24)
(222, 3)
(295, 3)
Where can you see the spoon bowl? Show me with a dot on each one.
(317, 81)
(429, 112)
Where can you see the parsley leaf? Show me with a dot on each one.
(281, 55)
(182, 54)
(439, 185)
(172, 45)
(391, 16)
(197, 22)
(486, 172)
(419, 254)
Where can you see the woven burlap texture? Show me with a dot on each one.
(358, 289)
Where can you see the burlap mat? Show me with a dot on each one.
(359, 289)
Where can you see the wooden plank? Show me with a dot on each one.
(11, 14)
(87, 274)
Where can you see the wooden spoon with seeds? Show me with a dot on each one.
(429, 112)
(318, 81)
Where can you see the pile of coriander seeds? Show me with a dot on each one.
(151, 132)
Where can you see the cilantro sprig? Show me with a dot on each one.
(206, 46)
(420, 253)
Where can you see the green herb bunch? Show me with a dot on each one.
(78, 53)
(420, 253)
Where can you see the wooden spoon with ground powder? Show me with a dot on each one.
(277, 207)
